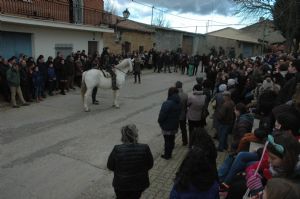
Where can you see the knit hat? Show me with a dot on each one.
(129, 133)
(289, 121)
(222, 87)
(268, 84)
(230, 82)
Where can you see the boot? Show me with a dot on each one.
(114, 84)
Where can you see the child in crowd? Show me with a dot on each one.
(51, 78)
(37, 84)
(283, 151)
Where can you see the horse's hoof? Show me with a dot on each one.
(87, 110)
(117, 106)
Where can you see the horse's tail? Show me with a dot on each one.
(83, 86)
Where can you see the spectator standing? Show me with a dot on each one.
(195, 104)
(182, 119)
(51, 78)
(13, 79)
(37, 80)
(24, 81)
(169, 120)
(4, 87)
(70, 71)
(43, 72)
(225, 119)
(62, 74)
(130, 162)
(137, 68)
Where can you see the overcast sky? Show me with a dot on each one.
(187, 15)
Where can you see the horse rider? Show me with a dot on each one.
(106, 63)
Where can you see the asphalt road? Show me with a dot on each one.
(54, 149)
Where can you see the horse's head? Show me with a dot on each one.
(131, 64)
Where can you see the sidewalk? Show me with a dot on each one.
(163, 172)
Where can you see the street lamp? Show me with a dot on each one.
(126, 14)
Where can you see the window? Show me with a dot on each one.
(64, 49)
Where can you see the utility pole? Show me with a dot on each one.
(207, 25)
(152, 16)
(196, 29)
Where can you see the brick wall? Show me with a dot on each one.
(136, 39)
(53, 10)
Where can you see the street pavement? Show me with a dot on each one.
(54, 149)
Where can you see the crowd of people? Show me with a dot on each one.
(239, 90)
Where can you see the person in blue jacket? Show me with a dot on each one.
(169, 120)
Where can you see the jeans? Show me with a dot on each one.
(37, 91)
(239, 164)
(182, 125)
(169, 145)
(223, 134)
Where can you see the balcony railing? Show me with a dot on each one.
(55, 11)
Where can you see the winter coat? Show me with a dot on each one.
(137, 65)
(169, 114)
(243, 125)
(43, 70)
(288, 89)
(193, 193)
(13, 77)
(70, 68)
(37, 79)
(51, 74)
(130, 164)
(196, 104)
(61, 71)
(225, 115)
(183, 102)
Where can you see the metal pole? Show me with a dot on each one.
(152, 16)
(196, 29)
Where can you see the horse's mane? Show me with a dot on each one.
(123, 63)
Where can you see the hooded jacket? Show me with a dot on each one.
(169, 113)
(196, 103)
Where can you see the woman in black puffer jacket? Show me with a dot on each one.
(130, 163)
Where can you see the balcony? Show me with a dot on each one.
(55, 11)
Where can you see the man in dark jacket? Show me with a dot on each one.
(182, 119)
(130, 163)
(169, 120)
(288, 90)
(106, 63)
(13, 79)
(225, 118)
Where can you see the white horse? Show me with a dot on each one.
(95, 78)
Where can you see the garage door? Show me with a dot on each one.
(13, 44)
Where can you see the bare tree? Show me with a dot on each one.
(249, 9)
(160, 20)
(109, 6)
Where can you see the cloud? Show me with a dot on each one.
(200, 7)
